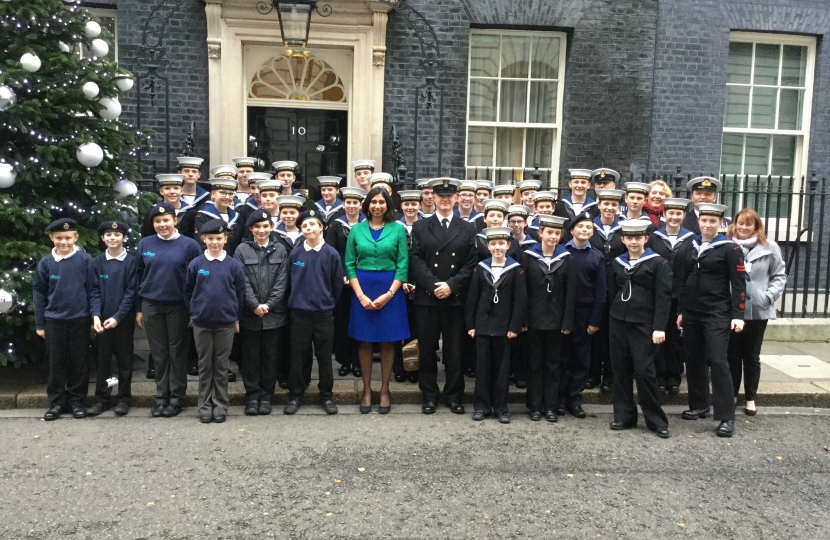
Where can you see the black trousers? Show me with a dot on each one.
(705, 341)
(432, 322)
(117, 342)
(492, 374)
(258, 362)
(632, 358)
(744, 355)
(67, 342)
(543, 362)
(519, 351)
(346, 349)
(670, 353)
(307, 329)
(576, 359)
(469, 358)
(600, 369)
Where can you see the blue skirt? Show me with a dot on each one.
(378, 326)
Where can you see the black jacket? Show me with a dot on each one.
(690, 222)
(440, 254)
(285, 240)
(610, 246)
(266, 282)
(551, 288)
(712, 280)
(660, 244)
(493, 309)
(642, 291)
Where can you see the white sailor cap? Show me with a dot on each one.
(485, 184)
(634, 227)
(527, 185)
(363, 164)
(610, 195)
(352, 193)
(711, 209)
(584, 174)
(518, 210)
(255, 177)
(410, 195)
(270, 185)
(541, 196)
(285, 166)
(704, 183)
(223, 171)
(380, 178)
(496, 204)
(676, 204)
(329, 181)
(245, 162)
(223, 182)
(189, 162)
(170, 179)
(637, 187)
(498, 233)
(504, 189)
(290, 201)
(554, 222)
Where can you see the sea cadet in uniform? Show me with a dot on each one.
(190, 167)
(504, 192)
(363, 168)
(244, 166)
(703, 189)
(466, 202)
(329, 206)
(483, 192)
(578, 200)
(527, 188)
(287, 231)
(517, 221)
(286, 172)
(427, 198)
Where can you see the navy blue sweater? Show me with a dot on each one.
(316, 278)
(66, 289)
(116, 282)
(590, 281)
(160, 267)
(214, 291)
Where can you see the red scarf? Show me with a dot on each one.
(653, 213)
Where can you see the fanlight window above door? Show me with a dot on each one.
(297, 78)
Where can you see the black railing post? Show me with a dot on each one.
(808, 254)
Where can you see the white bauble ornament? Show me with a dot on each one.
(30, 62)
(90, 89)
(99, 48)
(92, 29)
(7, 175)
(7, 97)
(125, 84)
(110, 108)
(125, 188)
(90, 154)
(63, 46)
(7, 301)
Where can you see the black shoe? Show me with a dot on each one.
(534, 415)
(605, 387)
(619, 426)
(206, 418)
(78, 411)
(428, 407)
(251, 408)
(662, 388)
(662, 432)
(329, 406)
(264, 408)
(157, 410)
(694, 414)
(171, 410)
(413, 377)
(750, 412)
(478, 416)
(151, 374)
(97, 408)
(121, 409)
(386, 409)
(591, 384)
(561, 410)
(292, 406)
(356, 372)
(674, 389)
(726, 428)
(283, 385)
(457, 408)
(471, 373)
(521, 384)
(551, 416)
(54, 413)
(400, 377)
(344, 370)
(219, 418)
(577, 411)
(504, 418)
(231, 376)
(193, 371)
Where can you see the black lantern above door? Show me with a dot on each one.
(295, 21)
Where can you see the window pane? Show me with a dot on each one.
(480, 146)
(736, 113)
(543, 102)
(783, 155)
(740, 63)
(789, 109)
(732, 153)
(545, 58)
(515, 52)
(483, 100)
(484, 55)
(763, 107)
(794, 66)
(513, 106)
(509, 146)
(539, 150)
(766, 63)
(757, 154)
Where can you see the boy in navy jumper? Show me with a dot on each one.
(115, 269)
(316, 283)
(214, 291)
(65, 296)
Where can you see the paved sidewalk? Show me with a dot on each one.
(792, 374)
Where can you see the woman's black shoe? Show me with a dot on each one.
(366, 409)
(385, 410)
(400, 377)
(344, 370)
(356, 372)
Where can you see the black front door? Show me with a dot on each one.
(315, 139)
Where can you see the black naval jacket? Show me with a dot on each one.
(285, 240)
(690, 221)
(551, 288)
(495, 308)
(712, 279)
(337, 234)
(642, 291)
(610, 246)
(439, 254)
(659, 242)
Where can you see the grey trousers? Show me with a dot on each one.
(166, 328)
(214, 350)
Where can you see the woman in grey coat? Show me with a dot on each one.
(766, 278)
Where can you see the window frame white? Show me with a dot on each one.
(556, 126)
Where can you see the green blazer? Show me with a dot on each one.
(390, 252)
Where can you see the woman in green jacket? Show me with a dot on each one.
(377, 263)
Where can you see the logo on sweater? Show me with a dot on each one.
(149, 254)
(53, 276)
(203, 272)
(105, 276)
(299, 263)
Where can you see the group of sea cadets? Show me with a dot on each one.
(558, 295)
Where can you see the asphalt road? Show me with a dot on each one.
(407, 475)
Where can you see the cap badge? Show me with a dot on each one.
(602, 174)
(66, 226)
(114, 225)
(311, 213)
(446, 183)
(221, 229)
(706, 183)
(587, 215)
(264, 215)
(161, 210)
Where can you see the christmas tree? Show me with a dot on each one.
(63, 152)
